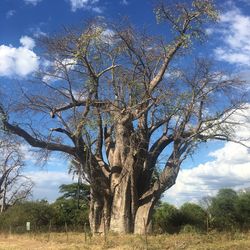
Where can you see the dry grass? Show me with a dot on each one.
(61, 241)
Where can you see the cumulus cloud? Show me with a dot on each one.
(229, 168)
(19, 61)
(32, 2)
(234, 29)
(27, 42)
(85, 4)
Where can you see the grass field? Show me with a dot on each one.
(63, 241)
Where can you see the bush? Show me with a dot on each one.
(193, 215)
(166, 219)
(38, 213)
(67, 211)
(71, 209)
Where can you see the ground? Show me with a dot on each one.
(70, 241)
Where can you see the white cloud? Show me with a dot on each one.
(27, 42)
(230, 168)
(234, 30)
(32, 2)
(85, 4)
(31, 156)
(57, 69)
(10, 13)
(47, 183)
(19, 61)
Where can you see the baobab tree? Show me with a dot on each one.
(116, 100)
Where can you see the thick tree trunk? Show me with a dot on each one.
(143, 218)
(125, 214)
(100, 213)
(117, 214)
(121, 207)
(96, 216)
(122, 168)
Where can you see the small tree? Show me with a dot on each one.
(75, 191)
(73, 206)
(206, 205)
(14, 186)
(223, 210)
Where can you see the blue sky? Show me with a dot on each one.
(22, 22)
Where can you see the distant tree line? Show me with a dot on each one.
(69, 210)
(227, 211)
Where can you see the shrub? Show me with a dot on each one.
(38, 213)
(166, 219)
(193, 215)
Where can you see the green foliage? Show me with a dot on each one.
(67, 211)
(38, 213)
(72, 206)
(227, 211)
(223, 210)
(166, 219)
(187, 19)
(75, 191)
(193, 215)
(71, 209)
(243, 210)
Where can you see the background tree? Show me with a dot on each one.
(223, 210)
(72, 207)
(167, 219)
(14, 186)
(192, 214)
(75, 168)
(72, 191)
(243, 209)
(117, 106)
(205, 204)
